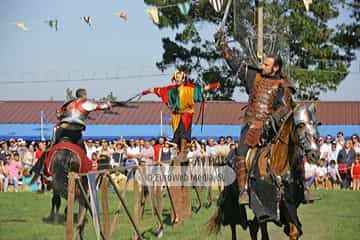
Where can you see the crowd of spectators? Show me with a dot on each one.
(339, 164)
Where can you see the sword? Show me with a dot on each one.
(124, 103)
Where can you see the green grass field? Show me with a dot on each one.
(335, 217)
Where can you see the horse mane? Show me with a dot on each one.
(282, 153)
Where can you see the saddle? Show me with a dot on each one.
(268, 166)
(86, 164)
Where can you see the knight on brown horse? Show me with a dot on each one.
(270, 100)
(276, 179)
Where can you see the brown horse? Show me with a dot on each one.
(62, 162)
(275, 181)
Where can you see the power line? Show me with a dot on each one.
(84, 79)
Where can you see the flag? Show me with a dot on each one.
(122, 15)
(184, 8)
(217, 4)
(21, 25)
(87, 20)
(53, 24)
(154, 15)
(307, 4)
(94, 202)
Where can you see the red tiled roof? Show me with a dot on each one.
(216, 112)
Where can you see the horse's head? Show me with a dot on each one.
(306, 126)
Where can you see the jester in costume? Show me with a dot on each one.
(181, 98)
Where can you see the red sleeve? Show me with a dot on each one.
(214, 85)
(162, 92)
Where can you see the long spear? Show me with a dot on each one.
(223, 21)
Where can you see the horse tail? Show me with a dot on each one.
(214, 224)
(63, 161)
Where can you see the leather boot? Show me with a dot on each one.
(241, 176)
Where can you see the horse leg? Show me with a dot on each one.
(81, 221)
(294, 232)
(55, 206)
(233, 231)
(264, 231)
(253, 228)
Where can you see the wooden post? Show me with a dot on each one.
(105, 207)
(136, 206)
(70, 206)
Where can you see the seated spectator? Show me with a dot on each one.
(340, 140)
(133, 153)
(310, 171)
(355, 173)
(28, 161)
(333, 175)
(13, 145)
(90, 147)
(3, 175)
(146, 152)
(333, 154)
(321, 175)
(355, 142)
(222, 150)
(13, 168)
(229, 140)
(3, 151)
(119, 155)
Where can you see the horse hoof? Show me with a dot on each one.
(197, 209)
(160, 233)
(56, 219)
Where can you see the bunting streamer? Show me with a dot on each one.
(121, 15)
(21, 25)
(307, 4)
(154, 15)
(87, 20)
(217, 4)
(184, 8)
(53, 24)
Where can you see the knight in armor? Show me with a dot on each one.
(269, 102)
(72, 116)
(181, 98)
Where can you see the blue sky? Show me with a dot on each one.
(112, 48)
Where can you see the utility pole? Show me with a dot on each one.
(260, 29)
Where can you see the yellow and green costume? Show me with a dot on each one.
(181, 101)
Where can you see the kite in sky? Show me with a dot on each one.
(122, 15)
(21, 25)
(87, 20)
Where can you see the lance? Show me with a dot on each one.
(223, 21)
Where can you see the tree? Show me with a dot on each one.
(110, 97)
(69, 95)
(317, 54)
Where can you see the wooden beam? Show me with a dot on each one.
(70, 206)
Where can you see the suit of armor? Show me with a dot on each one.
(72, 116)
